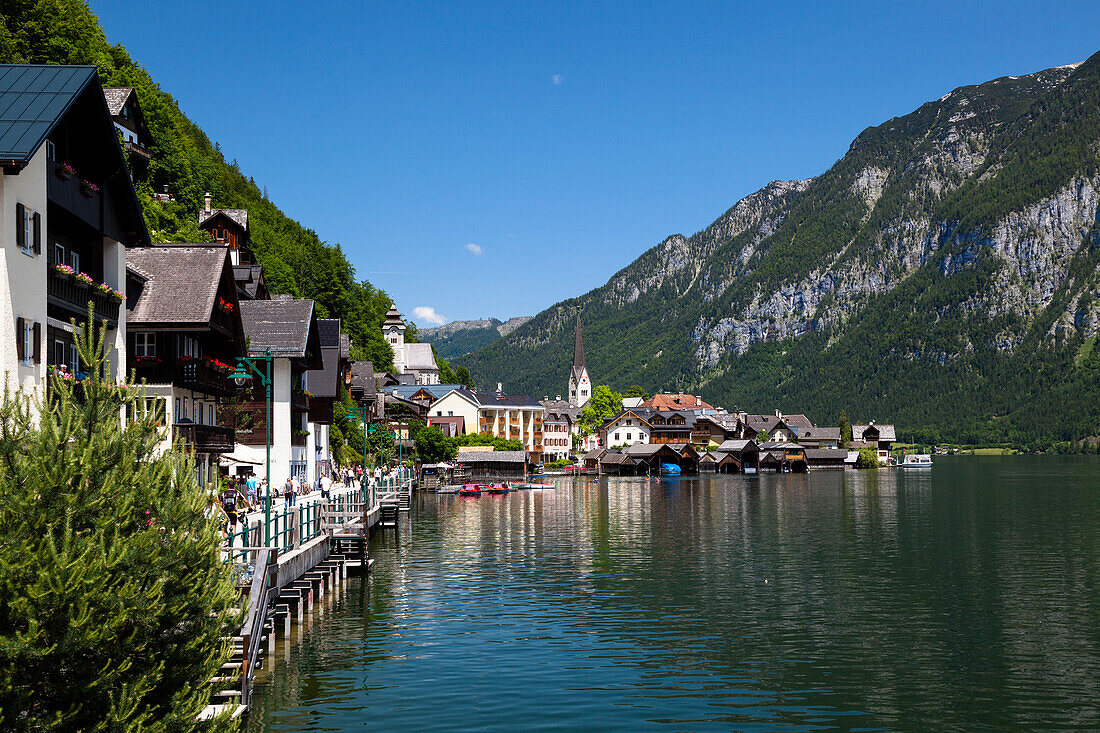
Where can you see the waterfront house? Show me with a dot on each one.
(812, 437)
(67, 212)
(560, 426)
(826, 457)
(744, 451)
(129, 120)
(655, 454)
(590, 461)
(880, 438)
(710, 431)
(490, 465)
(773, 428)
(626, 428)
(788, 456)
(184, 336)
(287, 328)
(513, 417)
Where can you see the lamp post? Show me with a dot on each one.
(242, 376)
(362, 418)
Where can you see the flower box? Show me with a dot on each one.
(88, 188)
(65, 171)
(83, 279)
(64, 270)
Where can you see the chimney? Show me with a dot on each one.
(208, 199)
(558, 398)
(500, 387)
(779, 414)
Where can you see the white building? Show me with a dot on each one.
(287, 328)
(415, 359)
(67, 213)
(628, 429)
(513, 417)
(561, 428)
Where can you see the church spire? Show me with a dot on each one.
(578, 347)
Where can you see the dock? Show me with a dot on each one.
(312, 549)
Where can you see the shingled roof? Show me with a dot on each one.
(181, 283)
(240, 216)
(116, 98)
(419, 358)
(284, 325)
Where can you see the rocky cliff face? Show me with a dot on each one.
(458, 338)
(959, 234)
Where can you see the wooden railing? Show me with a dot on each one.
(76, 295)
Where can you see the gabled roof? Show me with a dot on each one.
(799, 422)
(885, 432)
(324, 382)
(593, 454)
(116, 98)
(825, 453)
(328, 331)
(437, 391)
(562, 407)
(737, 446)
(181, 283)
(419, 358)
(362, 377)
(627, 413)
(820, 434)
(237, 216)
(284, 325)
(33, 99)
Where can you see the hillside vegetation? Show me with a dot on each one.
(941, 275)
(295, 259)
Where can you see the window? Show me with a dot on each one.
(145, 344)
(74, 359)
(59, 254)
(74, 260)
(209, 414)
(450, 413)
(630, 436)
(27, 340)
(28, 230)
(51, 150)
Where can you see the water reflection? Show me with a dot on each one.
(961, 598)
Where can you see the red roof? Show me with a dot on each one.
(676, 402)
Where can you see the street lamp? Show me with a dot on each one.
(242, 376)
(362, 419)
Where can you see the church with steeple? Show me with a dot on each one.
(580, 386)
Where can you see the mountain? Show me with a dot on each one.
(941, 275)
(459, 338)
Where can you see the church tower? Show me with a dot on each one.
(393, 330)
(580, 386)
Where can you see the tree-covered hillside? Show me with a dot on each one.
(942, 275)
(295, 260)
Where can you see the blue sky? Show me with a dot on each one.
(485, 159)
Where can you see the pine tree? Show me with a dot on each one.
(113, 595)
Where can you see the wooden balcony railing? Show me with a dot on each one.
(72, 295)
(205, 438)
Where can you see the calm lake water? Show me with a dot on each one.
(961, 598)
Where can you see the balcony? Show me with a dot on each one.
(205, 438)
(299, 401)
(196, 374)
(72, 295)
(70, 193)
(298, 438)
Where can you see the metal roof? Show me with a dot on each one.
(32, 100)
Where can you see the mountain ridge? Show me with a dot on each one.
(948, 246)
(459, 338)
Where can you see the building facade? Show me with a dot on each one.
(67, 214)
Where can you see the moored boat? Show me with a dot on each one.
(526, 486)
(497, 488)
(470, 490)
(670, 469)
(917, 460)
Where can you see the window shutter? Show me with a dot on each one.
(20, 230)
(37, 233)
(36, 348)
(19, 336)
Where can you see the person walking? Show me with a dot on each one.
(233, 504)
(288, 493)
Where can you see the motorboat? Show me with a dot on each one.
(524, 486)
(670, 469)
(470, 490)
(497, 488)
(917, 460)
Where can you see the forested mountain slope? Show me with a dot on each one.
(295, 259)
(941, 275)
(459, 338)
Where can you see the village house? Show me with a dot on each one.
(324, 387)
(820, 438)
(125, 111)
(230, 227)
(560, 427)
(184, 336)
(513, 417)
(626, 428)
(880, 438)
(287, 329)
(67, 213)
(678, 403)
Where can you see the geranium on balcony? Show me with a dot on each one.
(109, 291)
(65, 171)
(65, 270)
(149, 359)
(84, 277)
(88, 188)
(225, 305)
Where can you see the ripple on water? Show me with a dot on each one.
(964, 598)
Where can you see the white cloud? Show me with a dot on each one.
(473, 248)
(427, 314)
(557, 79)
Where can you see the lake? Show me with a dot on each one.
(964, 597)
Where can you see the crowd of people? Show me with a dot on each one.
(243, 494)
